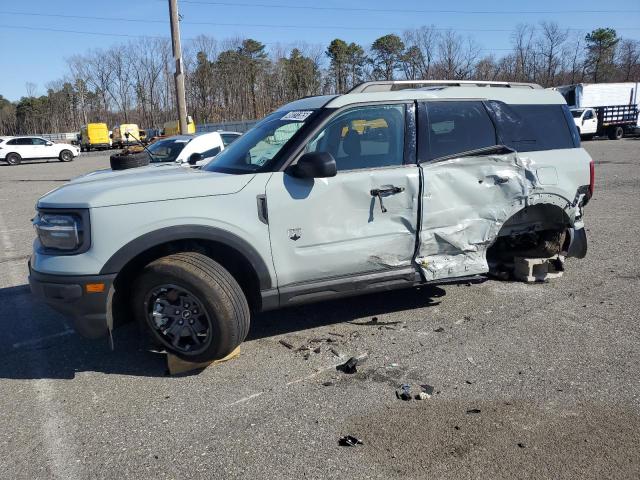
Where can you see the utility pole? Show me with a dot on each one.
(181, 101)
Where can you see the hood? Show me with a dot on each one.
(105, 188)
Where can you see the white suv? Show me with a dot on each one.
(191, 150)
(327, 197)
(15, 149)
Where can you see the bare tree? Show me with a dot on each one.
(550, 43)
(628, 60)
(524, 53)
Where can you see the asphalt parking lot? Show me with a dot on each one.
(550, 370)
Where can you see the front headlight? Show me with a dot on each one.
(61, 231)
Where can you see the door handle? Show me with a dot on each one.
(385, 191)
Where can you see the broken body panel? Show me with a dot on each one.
(468, 202)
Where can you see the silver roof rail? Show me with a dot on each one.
(390, 85)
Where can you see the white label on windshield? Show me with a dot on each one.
(297, 115)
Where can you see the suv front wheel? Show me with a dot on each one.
(192, 306)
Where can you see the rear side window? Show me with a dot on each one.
(228, 138)
(530, 128)
(456, 127)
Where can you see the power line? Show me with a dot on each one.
(268, 25)
(45, 29)
(104, 34)
(385, 10)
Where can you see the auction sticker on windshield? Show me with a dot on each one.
(297, 115)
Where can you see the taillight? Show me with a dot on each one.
(592, 178)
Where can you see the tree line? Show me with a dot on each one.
(240, 78)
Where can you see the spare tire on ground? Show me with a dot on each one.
(123, 161)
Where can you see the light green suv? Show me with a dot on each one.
(391, 185)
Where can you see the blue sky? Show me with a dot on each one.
(38, 56)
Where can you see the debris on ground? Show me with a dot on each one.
(473, 410)
(316, 350)
(521, 445)
(286, 344)
(327, 384)
(335, 352)
(439, 330)
(335, 334)
(469, 382)
(349, 366)
(404, 393)
(350, 441)
(425, 394)
(426, 388)
(373, 323)
(471, 361)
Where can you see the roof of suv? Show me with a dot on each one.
(507, 95)
(379, 91)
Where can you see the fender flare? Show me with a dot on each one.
(188, 232)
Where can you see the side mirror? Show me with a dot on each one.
(315, 165)
(195, 158)
(48, 144)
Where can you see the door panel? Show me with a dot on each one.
(465, 202)
(329, 227)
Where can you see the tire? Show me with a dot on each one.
(87, 148)
(551, 243)
(124, 162)
(171, 283)
(615, 133)
(13, 158)
(66, 156)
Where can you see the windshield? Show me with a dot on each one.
(251, 152)
(576, 113)
(167, 150)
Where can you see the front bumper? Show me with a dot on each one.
(68, 295)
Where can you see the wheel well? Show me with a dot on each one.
(534, 231)
(230, 258)
(543, 216)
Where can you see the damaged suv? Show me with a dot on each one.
(391, 185)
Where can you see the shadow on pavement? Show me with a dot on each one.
(39, 343)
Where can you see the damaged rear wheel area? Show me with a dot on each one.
(537, 232)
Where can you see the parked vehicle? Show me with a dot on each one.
(150, 134)
(94, 136)
(609, 109)
(326, 197)
(121, 140)
(191, 150)
(173, 128)
(14, 150)
(613, 121)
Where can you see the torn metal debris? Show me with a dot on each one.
(349, 441)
